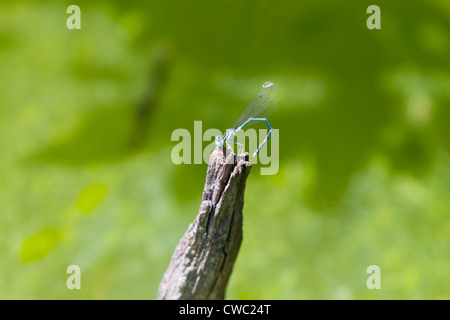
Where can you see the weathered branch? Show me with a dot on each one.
(203, 260)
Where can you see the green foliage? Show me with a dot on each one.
(37, 246)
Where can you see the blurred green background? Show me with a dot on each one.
(86, 117)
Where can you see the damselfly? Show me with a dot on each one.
(259, 109)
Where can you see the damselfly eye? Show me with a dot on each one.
(219, 141)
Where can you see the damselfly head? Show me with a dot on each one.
(219, 140)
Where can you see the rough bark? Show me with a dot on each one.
(203, 259)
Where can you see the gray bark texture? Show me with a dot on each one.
(203, 259)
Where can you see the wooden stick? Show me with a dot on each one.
(203, 259)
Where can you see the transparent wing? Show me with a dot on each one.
(262, 104)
